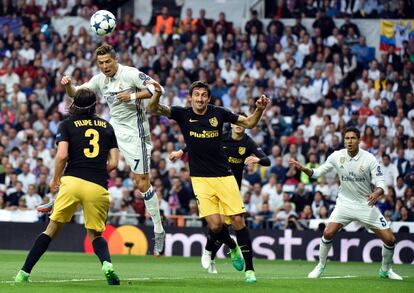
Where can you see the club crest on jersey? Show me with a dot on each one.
(342, 160)
(361, 168)
(242, 150)
(213, 121)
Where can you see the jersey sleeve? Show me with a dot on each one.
(258, 152)
(228, 116)
(141, 80)
(325, 167)
(377, 175)
(63, 133)
(113, 141)
(92, 84)
(177, 113)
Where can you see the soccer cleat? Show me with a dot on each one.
(212, 267)
(46, 208)
(236, 258)
(159, 241)
(110, 275)
(317, 271)
(389, 275)
(250, 277)
(206, 259)
(22, 277)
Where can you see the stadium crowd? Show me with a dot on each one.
(320, 81)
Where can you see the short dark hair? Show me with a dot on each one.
(354, 130)
(105, 49)
(200, 84)
(84, 102)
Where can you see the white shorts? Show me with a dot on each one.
(370, 217)
(136, 151)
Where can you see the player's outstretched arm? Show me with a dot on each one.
(300, 167)
(60, 163)
(154, 106)
(252, 120)
(67, 83)
(113, 158)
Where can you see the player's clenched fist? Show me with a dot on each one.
(262, 102)
(65, 81)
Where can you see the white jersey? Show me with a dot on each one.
(356, 175)
(126, 117)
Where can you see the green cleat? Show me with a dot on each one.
(236, 258)
(389, 275)
(110, 274)
(22, 277)
(250, 277)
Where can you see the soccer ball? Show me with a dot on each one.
(103, 23)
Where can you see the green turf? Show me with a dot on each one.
(179, 274)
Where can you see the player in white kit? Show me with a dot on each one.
(357, 169)
(124, 89)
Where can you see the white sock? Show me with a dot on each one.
(151, 203)
(387, 254)
(324, 248)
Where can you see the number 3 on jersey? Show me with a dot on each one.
(93, 142)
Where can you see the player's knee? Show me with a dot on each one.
(143, 183)
(328, 234)
(216, 227)
(237, 222)
(93, 234)
(390, 240)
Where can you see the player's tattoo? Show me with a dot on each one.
(164, 110)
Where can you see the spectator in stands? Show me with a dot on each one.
(254, 21)
(223, 26)
(12, 198)
(33, 200)
(164, 22)
(281, 217)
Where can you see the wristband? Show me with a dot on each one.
(133, 96)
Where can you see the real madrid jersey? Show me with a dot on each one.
(203, 137)
(356, 175)
(126, 117)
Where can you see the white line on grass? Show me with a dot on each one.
(177, 278)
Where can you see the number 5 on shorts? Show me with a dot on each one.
(383, 222)
(136, 164)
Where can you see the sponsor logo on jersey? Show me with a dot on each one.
(242, 150)
(213, 121)
(233, 160)
(204, 134)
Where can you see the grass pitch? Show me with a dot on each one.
(77, 272)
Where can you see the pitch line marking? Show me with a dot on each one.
(172, 278)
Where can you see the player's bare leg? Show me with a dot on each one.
(326, 243)
(388, 240)
(152, 205)
(39, 247)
